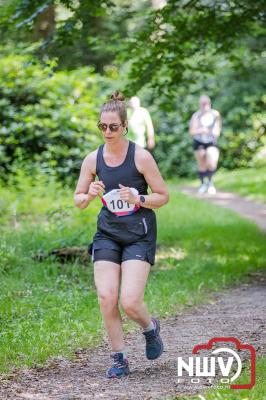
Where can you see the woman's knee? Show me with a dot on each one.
(212, 166)
(107, 298)
(201, 158)
(131, 305)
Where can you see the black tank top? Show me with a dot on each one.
(125, 173)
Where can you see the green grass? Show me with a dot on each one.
(247, 182)
(48, 308)
(258, 392)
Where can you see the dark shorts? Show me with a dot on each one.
(198, 145)
(125, 238)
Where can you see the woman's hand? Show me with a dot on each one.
(83, 199)
(151, 143)
(95, 189)
(127, 195)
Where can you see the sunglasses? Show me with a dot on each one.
(112, 127)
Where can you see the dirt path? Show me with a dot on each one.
(238, 312)
(256, 212)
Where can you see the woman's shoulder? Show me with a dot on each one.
(195, 115)
(91, 155)
(90, 160)
(215, 112)
(142, 153)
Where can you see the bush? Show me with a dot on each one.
(47, 118)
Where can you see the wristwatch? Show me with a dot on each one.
(141, 200)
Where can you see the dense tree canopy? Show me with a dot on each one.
(90, 31)
(185, 37)
(169, 52)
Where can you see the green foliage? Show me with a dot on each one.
(240, 97)
(179, 40)
(173, 150)
(91, 31)
(179, 52)
(47, 118)
(248, 182)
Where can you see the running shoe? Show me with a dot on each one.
(119, 368)
(211, 189)
(154, 343)
(203, 188)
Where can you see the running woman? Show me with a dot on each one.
(123, 247)
(205, 128)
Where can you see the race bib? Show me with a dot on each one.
(112, 201)
(207, 119)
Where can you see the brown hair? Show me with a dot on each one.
(116, 104)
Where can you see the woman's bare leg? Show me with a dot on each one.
(107, 279)
(133, 282)
(212, 156)
(200, 156)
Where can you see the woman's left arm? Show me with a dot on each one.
(218, 125)
(146, 165)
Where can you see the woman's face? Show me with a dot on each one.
(111, 126)
(204, 103)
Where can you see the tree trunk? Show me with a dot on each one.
(45, 23)
(65, 254)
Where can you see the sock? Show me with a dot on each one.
(124, 351)
(210, 174)
(149, 327)
(202, 175)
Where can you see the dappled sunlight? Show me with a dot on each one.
(167, 257)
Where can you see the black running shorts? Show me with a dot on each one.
(133, 241)
(198, 145)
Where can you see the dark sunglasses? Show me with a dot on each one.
(112, 127)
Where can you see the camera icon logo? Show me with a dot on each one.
(220, 361)
(226, 370)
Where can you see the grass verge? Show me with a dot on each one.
(247, 182)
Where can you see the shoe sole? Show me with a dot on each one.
(125, 373)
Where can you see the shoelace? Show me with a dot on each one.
(117, 361)
(151, 337)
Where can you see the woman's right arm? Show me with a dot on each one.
(87, 189)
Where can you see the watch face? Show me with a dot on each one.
(142, 199)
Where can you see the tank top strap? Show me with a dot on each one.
(99, 158)
(131, 153)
